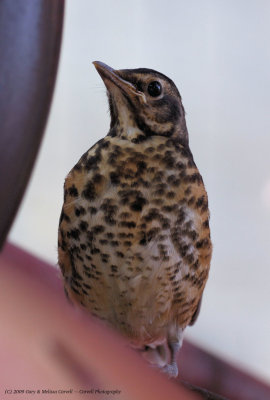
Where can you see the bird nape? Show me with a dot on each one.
(134, 241)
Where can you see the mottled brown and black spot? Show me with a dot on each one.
(86, 268)
(114, 268)
(188, 191)
(181, 215)
(105, 144)
(149, 150)
(62, 245)
(200, 202)
(98, 178)
(90, 236)
(143, 241)
(180, 165)
(74, 249)
(165, 223)
(171, 179)
(152, 214)
(191, 201)
(64, 217)
(168, 160)
(128, 224)
(151, 234)
(189, 258)
(115, 178)
(110, 235)
(74, 290)
(83, 226)
(169, 209)
(141, 167)
(109, 220)
(203, 243)
(79, 211)
(120, 254)
(109, 212)
(92, 210)
(138, 203)
(74, 233)
(89, 191)
(158, 177)
(114, 243)
(157, 157)
(139, 139)
(95, 250)
(92, 162)
(86, 285)
(144, 183)
(151, 170)
(159, 192)
(124, 235)
(97, 229)
(170, 195)
(160, 238)
(104, 255)
(206, 224)
(114, 155)
(72, 191)
(76, 283)
(194, 178)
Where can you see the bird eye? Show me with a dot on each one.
(154, 89)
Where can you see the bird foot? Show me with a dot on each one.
(171, 370)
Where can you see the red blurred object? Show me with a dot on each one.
(47, 343)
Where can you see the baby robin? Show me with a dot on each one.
(134, 240)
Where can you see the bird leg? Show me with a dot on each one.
(171, 369)
(174, 345)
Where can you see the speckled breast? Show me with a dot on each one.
(134, 239)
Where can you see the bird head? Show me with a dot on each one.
(143, 103)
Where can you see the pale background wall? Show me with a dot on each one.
(218, 54)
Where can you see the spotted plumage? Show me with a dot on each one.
(134, 240)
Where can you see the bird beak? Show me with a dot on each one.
(110, 75)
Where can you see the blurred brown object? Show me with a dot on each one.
(30, 38)
(47, 344)
(206, 370)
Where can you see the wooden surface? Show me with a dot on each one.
(30, 37)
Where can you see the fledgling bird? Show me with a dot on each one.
(134, 240)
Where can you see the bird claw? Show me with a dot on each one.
(171, 370)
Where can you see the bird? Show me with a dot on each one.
(134, 244)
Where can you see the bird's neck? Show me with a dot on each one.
(125, 127)
(130, 131)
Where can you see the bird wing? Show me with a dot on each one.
(196, 314)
